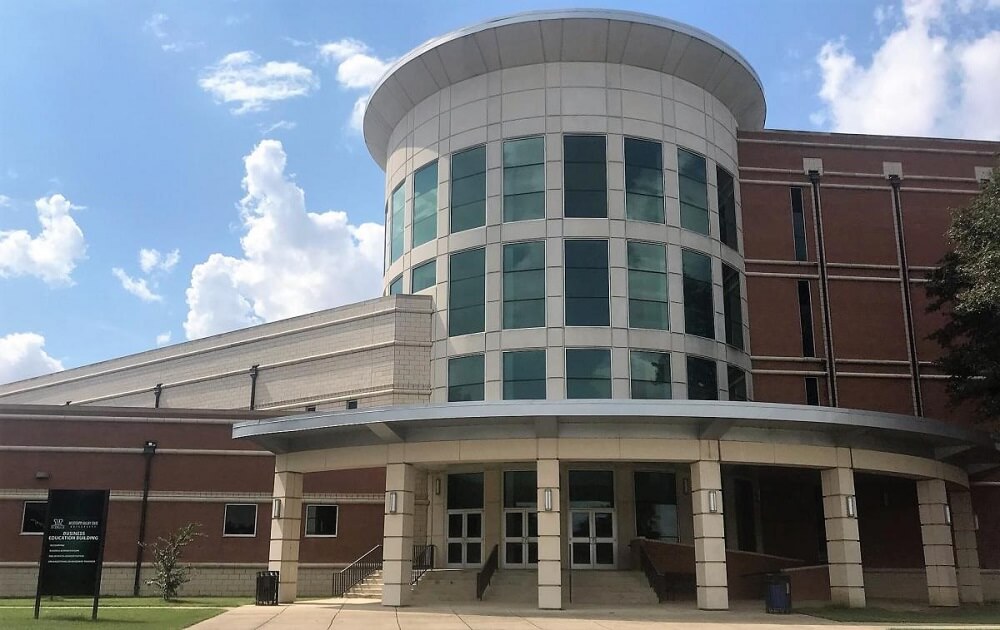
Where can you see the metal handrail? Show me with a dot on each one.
(657, 581)
(483, 577)
(358, 571)
(423, 561)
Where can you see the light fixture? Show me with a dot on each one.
(276, 509)
(41, 475)
(713, 501)
(851, 503)
(947, 514)
(149, 447)
(686, 485)
(392, 502)
(547, 496)
(975, 522)
(437, 485)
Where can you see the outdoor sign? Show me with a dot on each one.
(73, 545)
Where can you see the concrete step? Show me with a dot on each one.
(513, 586)
(446, 585)
(370, 588)
(611, 588)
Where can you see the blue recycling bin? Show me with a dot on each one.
(778, 594)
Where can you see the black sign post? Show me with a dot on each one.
(73, 545)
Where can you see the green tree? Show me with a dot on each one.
(966, 286)
(170, 574)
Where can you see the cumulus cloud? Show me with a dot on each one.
(922, 80)
(293, 262)
(138, 287)
(22, 355)
(52, 255)
(242, 79)
(163, 338)
(152, 260)
(4, 201)
(357, 69)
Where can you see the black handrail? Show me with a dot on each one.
(483, 577)
(423, 561)
(358, 571)
(657, 581)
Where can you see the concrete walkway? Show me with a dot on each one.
(370, 615)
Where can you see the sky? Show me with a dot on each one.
(173, 170)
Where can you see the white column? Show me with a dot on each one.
(963, 525)
(549, 539)
(397, 544)
(843, 542)
(939, 555)
(286, 525)
(709, 535)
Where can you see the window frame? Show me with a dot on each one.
(503, 179)
(432, 263)
(24, 514)
(392, 226)
(565, 162)
(482, 384)
(736, 325)
(730, 369)
(723, 231)
(451, 285)
(687, 370)
(607, 268)
(611, 371)
(402, 288)
(628, 277)
(711, 284)
(225, 520)
(503, 373)
(451, 186)
(305, 520)
(680, 199)
(798, 216)
(503, 284)
(433, 219)
(663, 179)
(669, 382)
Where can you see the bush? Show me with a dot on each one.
(170, 574)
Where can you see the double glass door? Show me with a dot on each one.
(465, 538)
(593, 544)
(520, 538)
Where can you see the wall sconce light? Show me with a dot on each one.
(686, 485)
(437, 486)
(547, 496)
(713, 501)
(276, 508)
(851, 503)
(392, 502)
(41, 475)
(947, 514)
(975, 522)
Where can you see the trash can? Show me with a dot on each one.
(778, 596)
(267, 588)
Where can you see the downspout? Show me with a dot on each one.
(253, 386)
(824, 290)
(148, 451)
(904, 278)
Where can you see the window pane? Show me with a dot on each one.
(465, 378)
(321, 520)
(524, 375)
(656, 505)
(643, 180)
(468, 189)
(585, 175)
(798, 224)
(806, 319)
(727, 207)
(396, 227)
(588, 373)
(586, 278)
(465, 491)
(524, 206)
(423, 276)
(703, 382)
(467, 292)
(644, 208)
(647, 286)
(591, 489)
(524, 151)
(691, 176)
(650, 374)
(524, 285)
(425, 204)
(812, 390)
(396, 286)
(737, 383)
(691, 165)
(241, 519)
(520, 490)
(699, 311)
(523, 179)
(733, 306)
(33, 517)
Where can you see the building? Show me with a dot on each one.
(624, 326)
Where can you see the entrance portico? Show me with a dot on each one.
(607, 474)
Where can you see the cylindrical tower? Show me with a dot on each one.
(565, 185)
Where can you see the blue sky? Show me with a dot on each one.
(124, 127)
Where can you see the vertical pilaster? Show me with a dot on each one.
(549, 539)
(286, 527)
(709, 535)
(939, 555)
(397, 544)
(843, 542)
(963, 525)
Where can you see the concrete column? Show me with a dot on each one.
(397, 545)
(939, 555)
(963, 525)
(549, 539)
(438, 518)
(286, 527)
(709, 535)
(492, 510)
(843, 543)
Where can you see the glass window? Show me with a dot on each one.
(647, 286)
(798, 223)
(656, 505)
(425, 202)
(727, 207)
(643, 180)
(699, 308)
(468, 189)
(588, 373)
(524, 179)
(585, 177)
(587, 286)
(524, 375)
(465, 491)
(520, 489)
(591, 489)
(737, 383)
(465, 378)
(321, 520)
(524, 285)
(33, 517)
(240, 519)
(396, 286)
(396, 225)
(693, 188)
(650, 374)
(806, 319)
(467, 292)
(812, 390)
(732, 306)
(423, 276)
(703, 382)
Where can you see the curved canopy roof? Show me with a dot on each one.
(625, 37)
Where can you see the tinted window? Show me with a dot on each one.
(465, 378)
(587, 290)
(812, 390)
(699, 309)
(798, 223)
(240, 519)
(33, 517)
(524, 285)
(588, 373)
(703, 382)
(467, 292)
(423, 276)
(465, 491)
(396, 224)
(733, 306)
(656, 505)
(520, 489)
(647, 286)
(524, 375)
(585, 177)
(524, 179)
(591, 488)
(737, 383)
(643, 180)
(727, 207)
(806, 319)
(321, 520)
(693, 188)
(396, 286)
(650, 374)
(468, 189)
(425, 182)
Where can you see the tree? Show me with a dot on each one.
(170, 574)
(967, 283)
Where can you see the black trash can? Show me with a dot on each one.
(778, 594)
(267, 588)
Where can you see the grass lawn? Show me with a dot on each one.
(145, 613)
(987, 614)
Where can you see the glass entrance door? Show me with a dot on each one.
(465, 520)
(593, 541)
(520, 538)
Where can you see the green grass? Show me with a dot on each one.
(126, 602)
(987, 614)
(61, 618)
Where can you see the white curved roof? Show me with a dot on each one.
(625, 37)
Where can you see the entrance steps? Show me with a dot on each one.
(513, 586)
(369, 588)
(610, 588)
(445, 585)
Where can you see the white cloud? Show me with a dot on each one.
(152, 260)
(240, 78)
(921, 80)
(294, 261)
(163, 338)
(281, 124)
(357, 69)
(138, 287)
(53, 253)
(159, 25)
(4, 201)
(22, 355)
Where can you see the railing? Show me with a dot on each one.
(657, 581)
(423, 561)
(358, 571)
(483, 577)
